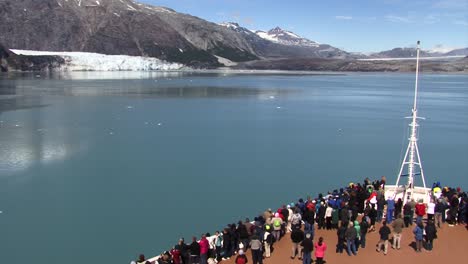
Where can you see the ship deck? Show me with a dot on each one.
(450, 247)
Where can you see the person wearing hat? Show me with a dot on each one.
(277, 222)
(165, 258)
(267, 241)
(307, 247)
(241, 258)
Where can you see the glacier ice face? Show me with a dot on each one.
(85, 61)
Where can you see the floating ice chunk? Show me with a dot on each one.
(129, 107)
(38, 76)
(159, 124)
(272, 97)
(278, 107)
(146, 123)
(17, 125)
(111, 133)
(1, 212)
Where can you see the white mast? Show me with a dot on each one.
(412, 158)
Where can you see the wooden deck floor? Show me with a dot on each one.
(451, 246)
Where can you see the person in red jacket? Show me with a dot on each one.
(420, 210)
(204, 248)
(320, 248)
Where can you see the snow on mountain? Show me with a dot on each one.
(85, 61)
(276, 35)
(440, 49)
(286, 37)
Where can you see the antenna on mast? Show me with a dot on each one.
(412, 159)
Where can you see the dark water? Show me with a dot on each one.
(99, 167)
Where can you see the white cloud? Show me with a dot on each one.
(344, 17)
(397, 19)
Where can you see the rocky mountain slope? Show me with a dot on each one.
(131, 28)
(126, 27)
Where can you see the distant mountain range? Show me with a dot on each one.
(411, 52)
(126, 27)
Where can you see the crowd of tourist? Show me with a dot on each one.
(351, 212)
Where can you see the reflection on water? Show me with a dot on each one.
(29, 137)
(149, 84)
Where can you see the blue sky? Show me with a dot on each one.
(353, 25)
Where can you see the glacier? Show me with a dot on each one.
(87, 61)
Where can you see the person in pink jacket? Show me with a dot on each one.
(204, 247)
(320, 248)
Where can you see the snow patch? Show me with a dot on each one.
(225, 62)
(85, 61)
(131, 7)
(97, 2)
(181, 50)
(265, 35)
(116, 14)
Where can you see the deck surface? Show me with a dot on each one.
(451, 246)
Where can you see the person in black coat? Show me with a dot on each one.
(307, 247)
(431, 234)
(297, 236)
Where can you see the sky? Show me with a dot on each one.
(352, 25)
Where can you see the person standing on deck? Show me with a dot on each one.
(267, 241)
(380, 206)
(328, 216)
(420, 211)
(439, 210)
(430, 210)
(204, 248)
(398, 226)
(418, 232)
(390, 209)
(372, 217)
(256, 247)
(307, 247)
(341, 234)
(297, 236)
(277, 222)
(309, 220)
(398, 208)
(296, 219)
(364, 227)
(320, 248)
(384, 235)
(350, 236)
(227, 246)
(357, 241)
(194, 251)
(431, 234)
(412, 204)
(408, 214)
(218, 242)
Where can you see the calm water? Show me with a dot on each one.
(98, 170)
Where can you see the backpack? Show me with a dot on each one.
(276, 223)
(296, 219)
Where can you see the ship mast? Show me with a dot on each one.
(412, 159)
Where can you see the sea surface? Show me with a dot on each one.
(100, 167)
